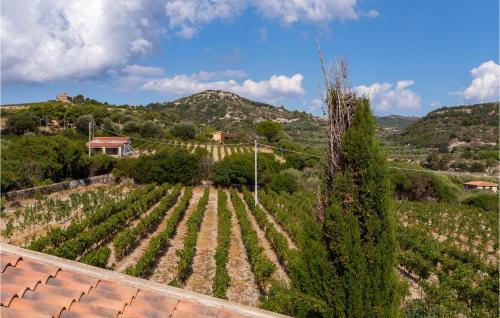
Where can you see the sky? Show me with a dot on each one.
(408, 57)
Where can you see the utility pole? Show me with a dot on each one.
(256, 196)
(90, 136)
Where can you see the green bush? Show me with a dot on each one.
(283, 182)
(184, 131)
(165, 166)
(22, 122)
(82, 123)
(239, 169)
(485, 201)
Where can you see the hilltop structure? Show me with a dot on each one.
(479, 185)
(63, 97)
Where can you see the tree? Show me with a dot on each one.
(283, 182)
(78, 99)
(184, 131)
(269, 129)
(358, 225)
(131, 128)
(108, 125)
(22, 122)
(82, 123)
(150, 129)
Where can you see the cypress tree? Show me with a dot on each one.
(358, 223)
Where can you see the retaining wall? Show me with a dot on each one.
(55, 187)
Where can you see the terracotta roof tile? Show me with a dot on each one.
(46, 286)
(8, 260)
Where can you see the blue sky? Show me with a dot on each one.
(409, 57)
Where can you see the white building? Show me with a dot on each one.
(112, 146)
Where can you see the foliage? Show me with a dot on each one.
(239, 169)
(128, 238)
(269, 129)
(28, 160)
(56, 237)
(262, 267)
(359, 225)
(22, 122)
(485, 201)
(222, 279)
(150, 129)
(170, 165)
(184, 131)
(188, 251)
(101, 164)
(159, 243)
(82, 123)
(295, 304)
(423, 185)
(98, 257)
(131, 127)
(105, 231)
(283, 182)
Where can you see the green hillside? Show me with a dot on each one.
(227, 111)
(463, 126)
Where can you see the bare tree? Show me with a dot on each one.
(340, 103)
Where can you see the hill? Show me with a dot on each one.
(461, 126)
(227, 111)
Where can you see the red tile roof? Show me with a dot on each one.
(37, 285)
(481, 183)
(94, 144)
(115, 138)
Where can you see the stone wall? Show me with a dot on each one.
(55, 187)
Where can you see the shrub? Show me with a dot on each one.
(131, 127)
(184, 131)
(22, 122)
(485, 201)
(150, 129)
(283, 182)
(239, 169)
(166, 165)
(82, 123)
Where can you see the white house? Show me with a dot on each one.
(112, 146)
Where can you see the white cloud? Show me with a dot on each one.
(275, 88)
(384, 98)
(290, 11)
(140, 70)
(485, 85)
(48, 40)
(188, 15)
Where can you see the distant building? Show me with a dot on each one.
(479, 185)
(112, 146)
(221, 136)
(63, 97)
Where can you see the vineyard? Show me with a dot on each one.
(216, 152)
(215, 241)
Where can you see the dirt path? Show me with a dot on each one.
(229, 151)
(222, 152)
(280, 273)
(242, 288)
(215, 153)
(112, 257)
(204, 266)
(278, 227)
(166, 270)
(136, 254)
(194, 148)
